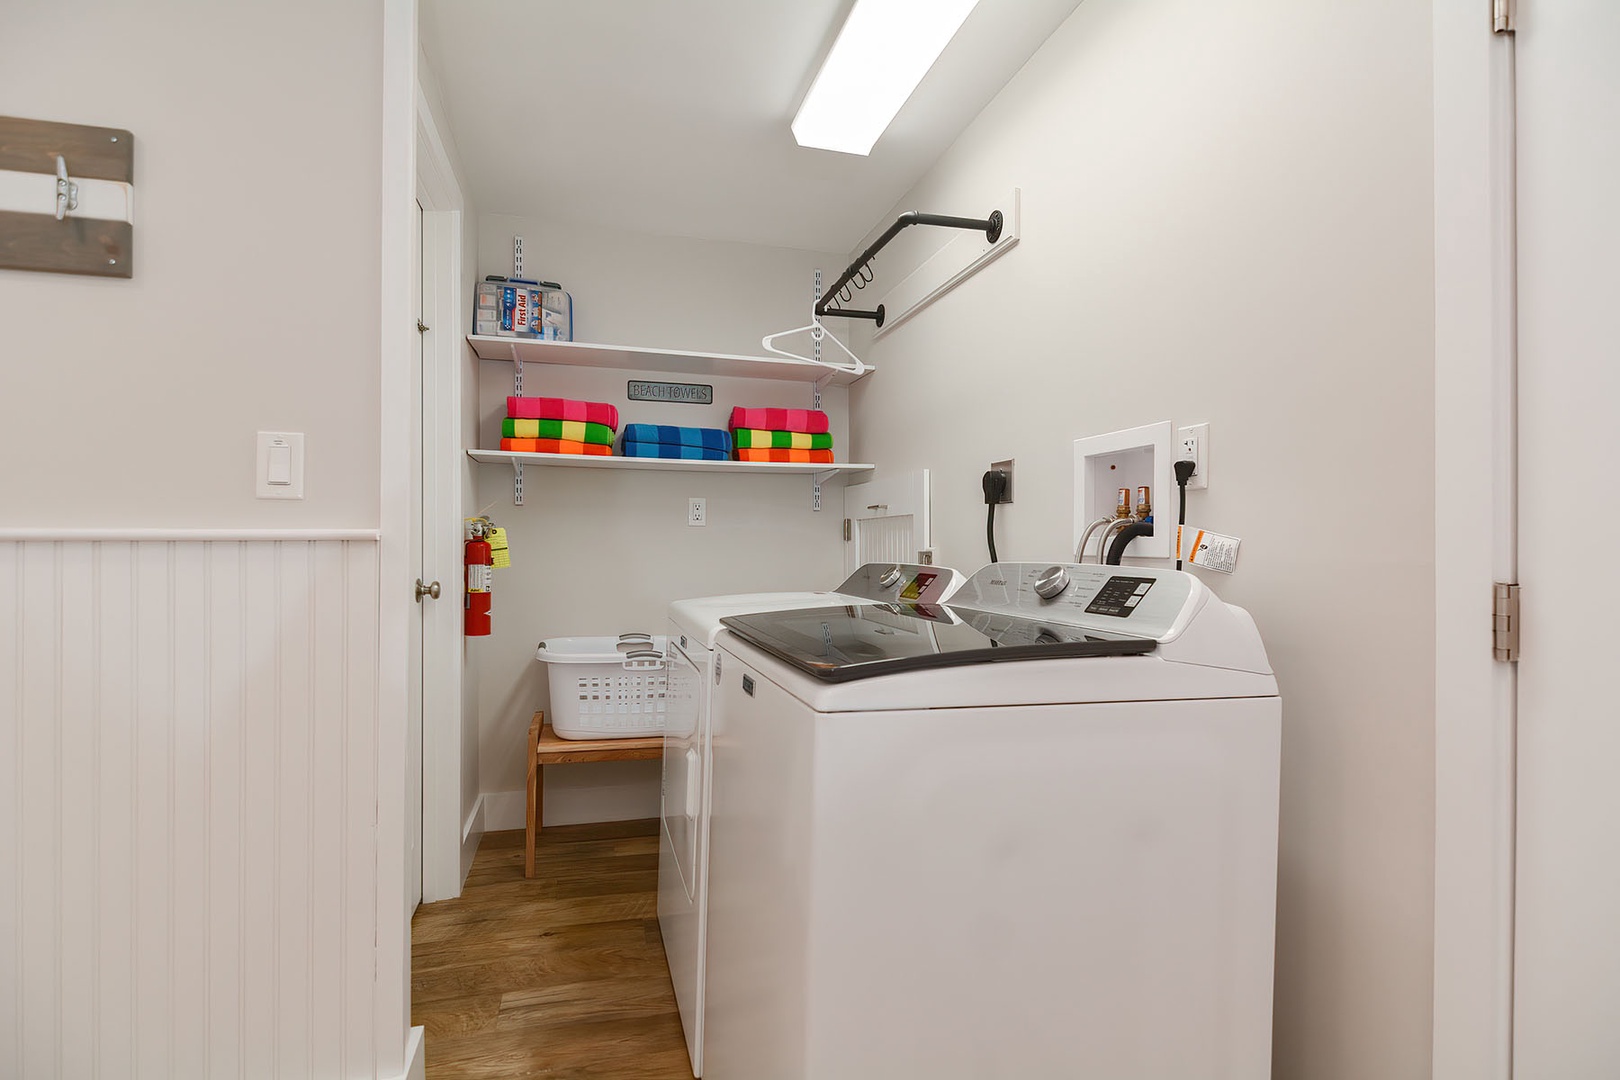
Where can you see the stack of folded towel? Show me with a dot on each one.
(544, 425)
(663, 441)
(781, 435)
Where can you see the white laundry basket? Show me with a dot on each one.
(606, 688)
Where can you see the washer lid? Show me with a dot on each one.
(857, 641)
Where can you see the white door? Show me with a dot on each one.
(1567, 934)
(888, 521)
(413, 753)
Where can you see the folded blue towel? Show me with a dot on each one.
(706, 438)
(667, 450)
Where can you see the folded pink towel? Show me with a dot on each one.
(552, 408)
(812, 421)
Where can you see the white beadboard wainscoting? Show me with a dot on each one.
(188, 779)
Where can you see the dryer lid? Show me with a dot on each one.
(858, 641)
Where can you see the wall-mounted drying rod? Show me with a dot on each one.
(860, 271)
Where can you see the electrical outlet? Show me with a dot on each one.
(697, 512)
(1006, 467)
(1192, 443)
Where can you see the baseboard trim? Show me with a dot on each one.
(504, 810)
(471, 833)
(415, 1056)
(602, 791)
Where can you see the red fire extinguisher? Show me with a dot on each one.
(480, 562)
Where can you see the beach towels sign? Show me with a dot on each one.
(679, 393)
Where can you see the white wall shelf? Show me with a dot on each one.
(819, 472)
(637, 358)
(586, 461)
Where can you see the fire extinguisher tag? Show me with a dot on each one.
(499, 551)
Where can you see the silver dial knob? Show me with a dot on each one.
(891, 577)
(1051, 582)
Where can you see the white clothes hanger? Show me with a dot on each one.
(817, 333)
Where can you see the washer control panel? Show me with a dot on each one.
(1138, 600)
(903, 583)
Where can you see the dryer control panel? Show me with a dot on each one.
(1141, 601)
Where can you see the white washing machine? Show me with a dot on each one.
(694, 668)
(1036, 840)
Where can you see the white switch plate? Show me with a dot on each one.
(272, 445)
(697, 512)
(1193, 442)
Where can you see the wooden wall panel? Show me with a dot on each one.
(187, 785)
(94, 152)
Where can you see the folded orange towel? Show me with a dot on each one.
(779, 454)
(557, 446)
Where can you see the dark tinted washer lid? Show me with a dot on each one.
(839, 644)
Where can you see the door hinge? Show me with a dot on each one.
(1504, 14)
(1505, 622)
(849, 530)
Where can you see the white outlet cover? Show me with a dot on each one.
(1200, 434)
(697, 513)
(284, 448)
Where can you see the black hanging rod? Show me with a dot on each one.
(990, 226)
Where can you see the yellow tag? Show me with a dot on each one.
(498, 549)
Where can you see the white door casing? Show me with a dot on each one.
(1567, 937)
(413, 746)
(442, 307)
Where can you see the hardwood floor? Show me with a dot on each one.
(559, 976)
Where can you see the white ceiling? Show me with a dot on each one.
(672, 117)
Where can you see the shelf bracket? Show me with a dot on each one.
(517, 483)
(816, 480)
(517, 371)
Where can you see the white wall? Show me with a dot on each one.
(1228, 218)
(254, 300)
(603, 553)
(182, 692)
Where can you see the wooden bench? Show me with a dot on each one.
(547, 748)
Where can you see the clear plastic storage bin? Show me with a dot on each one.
(606, 688)
(520, 308)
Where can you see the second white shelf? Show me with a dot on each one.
(586, 461)
(672, 361)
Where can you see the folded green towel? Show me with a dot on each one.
(572, 430)
(758, 439)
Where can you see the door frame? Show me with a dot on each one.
(396, 605)
(443, 221)
(1475, 542)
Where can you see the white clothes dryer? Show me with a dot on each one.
(694, 668)
(1038, 839)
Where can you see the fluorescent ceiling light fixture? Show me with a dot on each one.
(882, 53)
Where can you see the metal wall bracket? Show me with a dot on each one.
(517, 483)
(817, 387)
(1503, 20)
(816, 480)
(1505, 622)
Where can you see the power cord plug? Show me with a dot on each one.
(1184, 471)
(995, 487)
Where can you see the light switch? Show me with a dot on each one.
(280, 469)
(280, 465)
